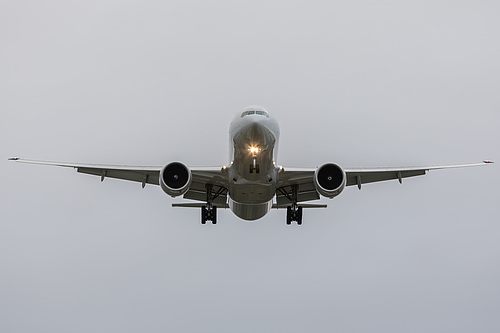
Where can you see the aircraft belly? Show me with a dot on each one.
(251, 201)
(252, 194)
(250, 212)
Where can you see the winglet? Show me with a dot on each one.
(13, 158)
(486, 161)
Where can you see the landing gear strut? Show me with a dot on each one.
(293, 212)
(254, 166)
(209, 212)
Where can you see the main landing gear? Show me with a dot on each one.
(208, 214)
(294, 214)
(209, 211)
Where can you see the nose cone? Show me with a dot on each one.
(254, 127)
(254, 130)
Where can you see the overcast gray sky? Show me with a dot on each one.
(365, 83)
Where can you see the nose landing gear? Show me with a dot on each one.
(254, 167)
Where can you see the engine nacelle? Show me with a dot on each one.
(329, 180)
(175, 179)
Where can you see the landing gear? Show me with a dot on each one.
(254, 166)
(208, 214)
(294, 214)
(209, 211)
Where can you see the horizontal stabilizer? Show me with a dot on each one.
(275, 206)
(198, 205)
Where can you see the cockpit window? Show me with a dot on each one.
(246, 113)
(251, 112)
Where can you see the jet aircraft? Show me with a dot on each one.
(252, 183)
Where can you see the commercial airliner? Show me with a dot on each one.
(252, 183)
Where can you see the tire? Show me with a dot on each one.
(214, 215)
(288, 215)
(203, 215)
(299, 216)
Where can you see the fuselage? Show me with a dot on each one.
(253, 170)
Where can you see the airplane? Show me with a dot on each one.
(253, 183)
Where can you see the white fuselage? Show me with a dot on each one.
(253, 172)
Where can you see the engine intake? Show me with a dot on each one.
(175, 179)
(329, 180)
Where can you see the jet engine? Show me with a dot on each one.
(329, 180)
(175, 179)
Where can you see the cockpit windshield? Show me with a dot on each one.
(257, 112)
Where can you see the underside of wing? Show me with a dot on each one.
(208, 183)
(298, 184)
(359, 176)
(201, 176)
(141, 174)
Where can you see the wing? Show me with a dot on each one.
(303, 180)
(141, 174)
(207, 182)
(201, 177)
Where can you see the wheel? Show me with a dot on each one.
(288, 215)
(214, 215)
(299, 216)
(203, 215)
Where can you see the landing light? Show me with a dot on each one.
(254, 150)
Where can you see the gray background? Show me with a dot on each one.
(363, 83)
